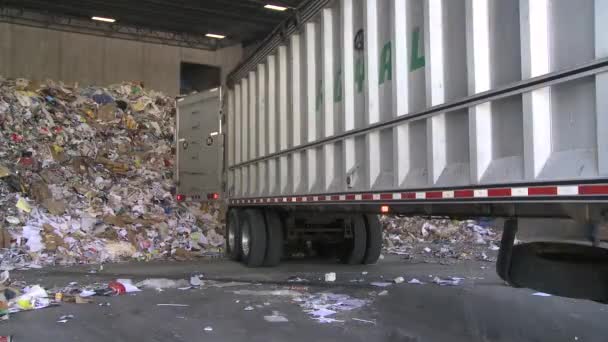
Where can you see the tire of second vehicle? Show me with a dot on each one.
(563, 269)
(253, 221)
(274, 242)
(233, 227)
(374, 239)
(355, 248)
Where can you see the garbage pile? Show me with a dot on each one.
(86, 177)
(438, 237)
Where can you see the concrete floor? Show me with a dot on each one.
(481, 309)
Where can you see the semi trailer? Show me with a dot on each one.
(460, 108)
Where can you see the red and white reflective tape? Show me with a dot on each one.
(581, 191)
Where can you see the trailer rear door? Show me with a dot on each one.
(199, 145)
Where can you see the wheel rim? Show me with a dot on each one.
(231, 236)
(245, 239)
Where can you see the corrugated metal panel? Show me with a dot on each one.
(379, 95)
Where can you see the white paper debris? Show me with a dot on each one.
(128, 284)
(162, 283)
(177, 305)
(195, 280)
(542, 294)
(381, 284)
(330, 277)
(86, 293)
(450, 281)
(415, 281)
(322, 312)
(364, 321)
(276, 317)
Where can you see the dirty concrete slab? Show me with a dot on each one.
(482, 308)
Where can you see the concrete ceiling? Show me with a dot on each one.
(242, 21)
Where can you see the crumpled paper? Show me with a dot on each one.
(86, 176)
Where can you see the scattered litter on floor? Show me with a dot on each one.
(381, 283)
(364, 321)
(542, 294)
(285, 293)
(415, 281)
(296, 279)
(176, 305)
(449, 281)
(229, 284)
(128, 284)
(208, 329)
(195, 280)
(276, 317)
(249, 308)
(383, 293)
(162, 283)
(65, 318)
(330, 277)
(398, 280)
(321, 306)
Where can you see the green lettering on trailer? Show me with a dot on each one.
(386, 67)
(319, 96)
(338, 86)
(416, 60)
(360, 74)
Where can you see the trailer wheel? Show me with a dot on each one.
(233, 236)
(563, 269)
(274, 242)
(374, 239)
(354, 249)
(253, 238)
(503, 263)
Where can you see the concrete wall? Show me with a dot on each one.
(71, 57)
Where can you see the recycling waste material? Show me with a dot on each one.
(86, 176)
(439, 237)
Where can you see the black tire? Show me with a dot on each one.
(233, 234)
(354, 249)
(274, 241)
(503, 262)
(253, 238)
(374, 239)
(563, 269)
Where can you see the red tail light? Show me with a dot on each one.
(384, 209)
(180, 198)
(213, 196)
